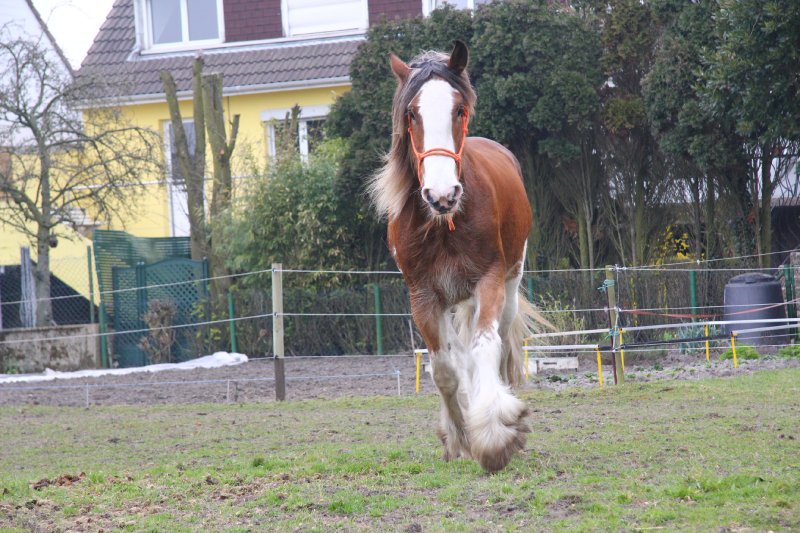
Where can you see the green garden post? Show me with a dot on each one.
(791, 308)
(91, 283)
(232, 323)
(530, 288)
(378, 311)
(693, 291)
(103, 340)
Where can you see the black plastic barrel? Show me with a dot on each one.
(755, 296)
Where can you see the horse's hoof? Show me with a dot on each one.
(495, 448)
(494, 460)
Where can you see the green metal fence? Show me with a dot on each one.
(117, 255)
(182, 284)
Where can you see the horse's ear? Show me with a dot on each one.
(399, 68)
(459, 57)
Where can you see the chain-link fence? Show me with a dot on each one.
(72, 293)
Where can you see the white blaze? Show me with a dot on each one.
(440, 173)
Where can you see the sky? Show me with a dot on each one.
(74, 24)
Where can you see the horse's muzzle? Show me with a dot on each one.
(443, 203)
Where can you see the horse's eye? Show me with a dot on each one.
(412, 117)
(460, 111)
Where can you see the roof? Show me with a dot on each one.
(248, 67)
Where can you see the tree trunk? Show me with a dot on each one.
(535, 238)
(583, 245)
(196, 186)
(765, 211)
(193, 169)
(44, 305)
(638, 227)
(711, 219)
(694, 184)
(221, 151)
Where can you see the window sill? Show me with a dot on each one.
(219, 45)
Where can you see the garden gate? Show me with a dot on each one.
(181, 282)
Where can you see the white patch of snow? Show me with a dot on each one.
(217, 360)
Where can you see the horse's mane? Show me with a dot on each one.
(390, 186)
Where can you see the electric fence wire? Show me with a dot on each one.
(655, 268)
(271, 315)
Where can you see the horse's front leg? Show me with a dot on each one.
(448, 374)
(495, 419)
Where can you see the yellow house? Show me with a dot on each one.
(273, 55)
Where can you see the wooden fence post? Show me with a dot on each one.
(277, 330)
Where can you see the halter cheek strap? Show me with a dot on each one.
(440, 151)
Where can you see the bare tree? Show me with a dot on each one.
(61, 165)
(192, 164)
(209, 117)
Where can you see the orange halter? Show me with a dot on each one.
(440, 151)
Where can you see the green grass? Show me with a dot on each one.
(790, 351)
(743, 352)
(699, 455)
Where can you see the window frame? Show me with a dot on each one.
(177, 191)
(429, 5)
(144, 14)
(308, 113)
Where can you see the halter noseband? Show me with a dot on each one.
(440, 151)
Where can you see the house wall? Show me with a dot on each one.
(67, 260)
(393, 9)
(149, 217)
(252, 20)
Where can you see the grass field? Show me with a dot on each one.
(699, 455)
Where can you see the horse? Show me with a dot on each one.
(458, 223)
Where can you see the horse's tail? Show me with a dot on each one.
(528, 321)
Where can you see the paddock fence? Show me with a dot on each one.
(359, 312)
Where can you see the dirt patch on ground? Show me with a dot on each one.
(335, 377)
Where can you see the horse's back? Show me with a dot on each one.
(500, 158)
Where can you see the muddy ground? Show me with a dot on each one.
(334, 377)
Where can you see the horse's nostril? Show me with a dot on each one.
(443, 203)
(456, 194)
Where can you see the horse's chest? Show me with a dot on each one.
(452, 282)
(451, 279)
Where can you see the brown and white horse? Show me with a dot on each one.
(458, 225)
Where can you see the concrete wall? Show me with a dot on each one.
(64, 348)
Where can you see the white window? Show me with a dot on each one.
(176, 182)
(310, 129)
(304, 17)
(430, 5)
(170, 24)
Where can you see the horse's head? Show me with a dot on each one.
(431, 111)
